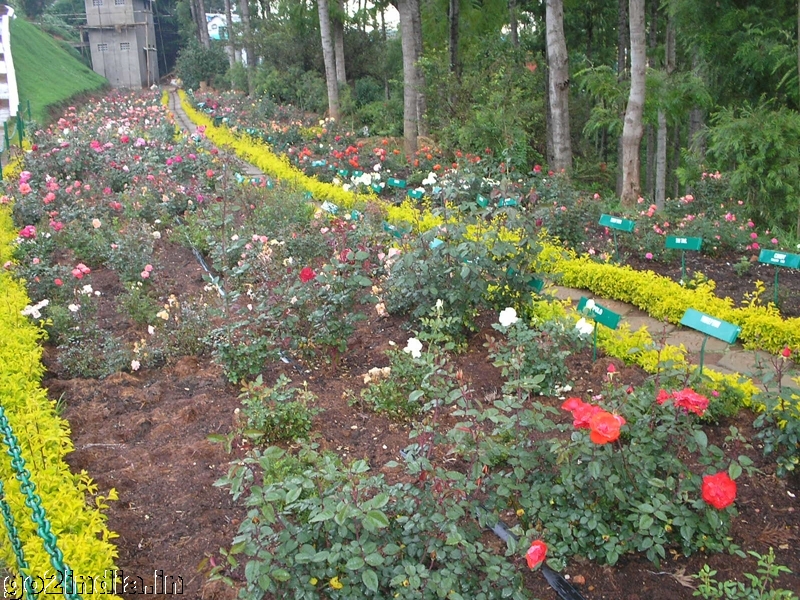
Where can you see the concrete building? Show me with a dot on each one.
(122, 39)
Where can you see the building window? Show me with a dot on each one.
(102, 47)
(97, 2)
(119, 2)
(125, 46)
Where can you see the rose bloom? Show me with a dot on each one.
(605, 427)
(718, 490)
(582, 412)
(687, 399)
(536, 554)
(307, 274)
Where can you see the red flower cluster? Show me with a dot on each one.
(604, 426)
(719, 490)
(536, 554)
(307, 274)
(687, 399)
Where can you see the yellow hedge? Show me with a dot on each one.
(257, 153)
(762, 327)
(81, 530)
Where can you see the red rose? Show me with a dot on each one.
(663, 396)
(605, 427)
(581, 411)
(307, 274)
(786, 352)
(691, 401)
(719, 490)
(536, 554)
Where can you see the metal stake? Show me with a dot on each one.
(703, 353)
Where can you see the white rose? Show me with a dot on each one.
(413, 347)
(508, 316)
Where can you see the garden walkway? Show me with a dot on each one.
(719, 356)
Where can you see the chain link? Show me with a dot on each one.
(34, 503)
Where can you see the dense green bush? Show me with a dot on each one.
(196, 64)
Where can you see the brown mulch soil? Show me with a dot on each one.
(145, 434)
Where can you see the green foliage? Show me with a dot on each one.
(759, 586)
(196, 63)
(137, 304)
(779, 427)
(93, 354)
(638, 494)
(336, 531)
(304, 89)
(534, 359)
(757, 145)
(277, 413)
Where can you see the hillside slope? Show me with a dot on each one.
(47, 75)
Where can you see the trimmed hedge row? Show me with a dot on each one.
(81, 530)
(763, 327)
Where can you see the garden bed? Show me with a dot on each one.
(146, 341)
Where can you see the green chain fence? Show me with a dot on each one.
(34, 503)
(16, 129)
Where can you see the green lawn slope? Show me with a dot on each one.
(47, 75)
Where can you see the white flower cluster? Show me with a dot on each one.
(376, 374)
(35, 309)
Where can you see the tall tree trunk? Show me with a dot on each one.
(196, 19)
(409, 77)
(421, 100)
(623, 41)
(632, 129)
(328, 57)
(244, 8)
(205, 39)
(229, 25)
(661, 160)
(338, 41)
(453, 16)
(513, 25)
(558, 85)
(385, 73)
(650, 134)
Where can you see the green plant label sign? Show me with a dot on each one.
(617, 223)
(601, 314)
(536, 284)
(376, 188)
(781, 259)
(355, 215)
(684, 243)
(318, 163)
(329, 207)
(416, 194)
(717, 328)
(343, 172)
(435, 243)
(482, 201)
(397, 183)
(358, 173)
(395, 231)
(507, 202)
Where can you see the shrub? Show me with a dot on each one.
(196, 63)
(276, 413)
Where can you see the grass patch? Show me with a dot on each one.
(47, 75)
